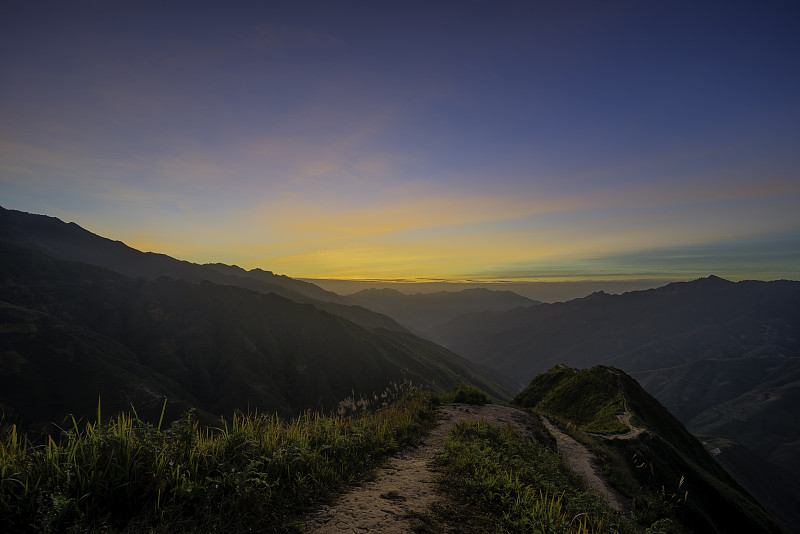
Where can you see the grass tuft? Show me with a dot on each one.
(467, 394)
(517, 485)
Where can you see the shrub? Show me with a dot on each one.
(468, 394)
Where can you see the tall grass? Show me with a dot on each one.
(520, 483)
(254, 471)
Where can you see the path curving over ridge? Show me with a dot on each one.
(405, 487)
(581, 460)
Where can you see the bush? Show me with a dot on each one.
(468, 394)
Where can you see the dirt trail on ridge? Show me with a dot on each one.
(624, 418)
(405, 487)
(580, 459)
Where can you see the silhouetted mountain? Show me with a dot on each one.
(307, 289)
(655, 458)
(72, 331)
(71, 242)
(722, 356)
(423, 311)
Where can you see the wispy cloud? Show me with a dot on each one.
(317, 147)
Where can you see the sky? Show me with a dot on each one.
(482, 141)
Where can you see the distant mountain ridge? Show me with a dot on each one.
(731, 319)
(423, 311)
(304, 288)
(721, 355)
(71, 242)
(218, 340)
(217, 348)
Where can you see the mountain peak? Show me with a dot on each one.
(713, 279)
(384, 291)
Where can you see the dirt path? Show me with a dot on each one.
(581, 459)
(406, 486)
(624, 418)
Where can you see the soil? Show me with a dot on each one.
(582, 462)
(399, 497)
(624, 418)
(403, 490)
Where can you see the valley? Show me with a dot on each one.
(89, 326)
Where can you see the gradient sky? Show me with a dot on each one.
(461, 140)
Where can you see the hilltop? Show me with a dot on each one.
(647, 454)
(722, 356)
(90, 326)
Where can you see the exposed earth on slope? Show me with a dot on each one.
(402, 491)
(624, 417)
(582, 462)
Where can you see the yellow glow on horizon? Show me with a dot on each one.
(418, 234)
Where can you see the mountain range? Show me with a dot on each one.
(68, 241)
(422, 312)
(647, 454)
(722, 356)
(73, 331)
(88, 324)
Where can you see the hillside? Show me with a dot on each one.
(299, 286)
(72, 331)
(69, 241)
(722, 356)
(640, 330)
(423, 311)
(652, 451)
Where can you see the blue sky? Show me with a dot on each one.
(462, 140)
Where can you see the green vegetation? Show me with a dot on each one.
(672, 481)
(254, 471)
(467, 394)
(588, 398)
(519, 484)
(722, 356)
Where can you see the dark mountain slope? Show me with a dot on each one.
(640, 330)
(71, 242)
(774, 486)
(299, 286)
(750, 400)
(422, 311)
(223, 348)
(49, 368)
(660, 457)
(723, 356)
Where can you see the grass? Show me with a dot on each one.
(467, 394)
(625, 467)
(260, 472)
(508, 483)
(252, 472)
(588, 398)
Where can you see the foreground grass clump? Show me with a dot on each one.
(254, 472)
(517, 485)
(467, 394)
